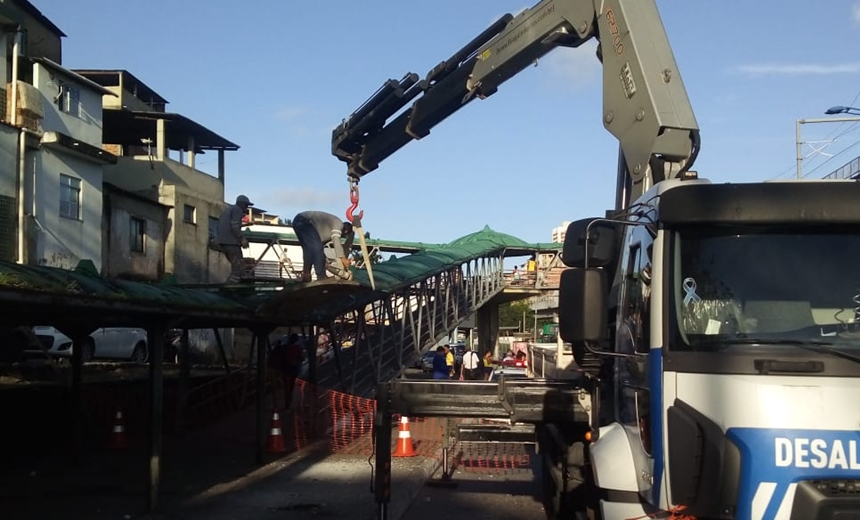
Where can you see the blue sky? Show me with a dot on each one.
(277, 76)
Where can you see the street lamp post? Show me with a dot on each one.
(832, 110)
(842, 110)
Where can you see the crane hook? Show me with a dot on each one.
(351, 216)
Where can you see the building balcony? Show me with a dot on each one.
(151, 135)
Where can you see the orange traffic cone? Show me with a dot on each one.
(404, 439)
(275, 443)
(118, 440)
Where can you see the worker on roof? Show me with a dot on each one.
(315, 229)
(230, 239)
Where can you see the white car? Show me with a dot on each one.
(110, 342)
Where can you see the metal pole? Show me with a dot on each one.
(311, 351)
(182, 383)
(223, 352)
(382, 427)
(262, 340)
(446, 443)
(155, 335)
(799, 144)
(78, 345)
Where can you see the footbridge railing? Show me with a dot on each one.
(390, 333)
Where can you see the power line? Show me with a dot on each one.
(816, 168)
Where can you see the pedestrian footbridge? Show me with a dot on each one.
(374, 331)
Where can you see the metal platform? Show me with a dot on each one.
(519, 400)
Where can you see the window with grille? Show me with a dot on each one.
(190, 214)
(137, 238)
(70, 197)
(70, 99)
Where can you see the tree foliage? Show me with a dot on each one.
(511, 315)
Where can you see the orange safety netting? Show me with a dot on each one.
(345, 422)
(492, 458)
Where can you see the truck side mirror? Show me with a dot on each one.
(602, 239)
(582, 305)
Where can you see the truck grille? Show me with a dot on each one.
(837, 487)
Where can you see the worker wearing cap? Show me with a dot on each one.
(230, 237)
(314, 229)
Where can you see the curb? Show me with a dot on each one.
(401, 501)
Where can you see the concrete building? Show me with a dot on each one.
(19, 22)
(157, 153)
(92, 166)
(134, 235)
(559, 232)
(50, 147)
(63, 177)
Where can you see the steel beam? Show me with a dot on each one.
(520, 433)
(522, 400)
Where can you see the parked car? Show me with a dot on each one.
(109, 343)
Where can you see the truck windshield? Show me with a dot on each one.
(780, 288)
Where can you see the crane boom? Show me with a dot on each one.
(645, 104)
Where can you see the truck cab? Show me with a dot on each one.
(726, 316)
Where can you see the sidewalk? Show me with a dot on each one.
(306, 485)
(209, 474)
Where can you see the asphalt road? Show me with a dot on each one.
(508, 489)
(500, 494)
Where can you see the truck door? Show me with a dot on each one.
(633, 395)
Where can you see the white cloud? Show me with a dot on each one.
(855, 12)
(575, 67)
(799, 69)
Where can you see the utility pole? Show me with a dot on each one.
(799, 141)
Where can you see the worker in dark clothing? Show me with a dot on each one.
(314, 229)
(441, 370)
(285, 358)
(230, 239)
